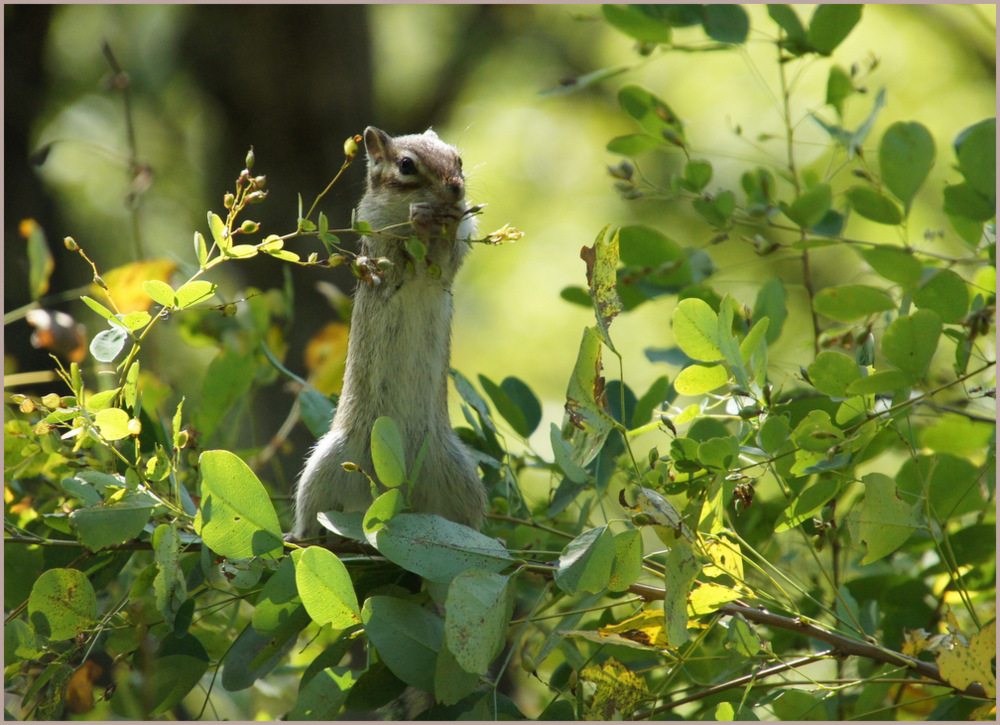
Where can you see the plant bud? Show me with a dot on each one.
(51, 401)
(249, 227)
(350, 467)
(134, 427)
(100, 282)
(250, 158)
(260, 181)
(384, 263)
(336, 260)
(228, 200)
(27, 406)
(71, 244)
(255, 196)
(351, 147)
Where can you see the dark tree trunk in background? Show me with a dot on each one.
(293, 81)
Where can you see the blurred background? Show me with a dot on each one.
(208, 82)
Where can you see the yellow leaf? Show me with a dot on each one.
(706, 598)
(619, 690)
(726, 559)
(646, 629)
(125, 283)
(961, 666)
(326, 356)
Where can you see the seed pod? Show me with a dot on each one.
(71, 244)
(228, 200)
(51, 401)
(249, 227)
(250, 158)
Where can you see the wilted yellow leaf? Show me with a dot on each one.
(645, 629)
(619, 690)
(962, 666)
(326, 357)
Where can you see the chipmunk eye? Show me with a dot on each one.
(407, 166)
(459, 162)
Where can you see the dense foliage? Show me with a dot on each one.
(817, 544)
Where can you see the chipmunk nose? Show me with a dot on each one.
(456, 189)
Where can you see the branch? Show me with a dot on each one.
(841, 644)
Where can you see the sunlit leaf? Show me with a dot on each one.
(852, 301)
(62, 604)
(325, 588)
(882, 521)
(905, 157)
(910, 341)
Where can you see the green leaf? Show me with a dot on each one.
(168, 586)
(655, 396)
(200, 249)
(317, 411)
(113, 423)
(587, 422)
(680, 569)
(852, 301)
(236, 518)
(632, 21)
(894, 264)
(176, 668)
(585, 564)
(627, 567)
(254, 655)
(954, 433)
(872, 205)
(102, 526)
(861, 133)
(786, 17)
(193, 293)
(838, 87)
(388, 455)
(515, 402)
(882, 521)
(905, 157)
(107, 344)
(653, 114)
(278, 601)
(726, 23)
(323, 696)
(697, 174)
(770, 303)
(910, 341)
(407, 637)
(773, 432)
(807, 503)
(634, 144)
(98, 308)
(226, 382)
(830, 25)
(885, 381)
(945, 293)
(382, 510)
(976, 148)
(564, 456)
(160, 292)
(62, 604)
(325, 588)
(40, 261)
(477, 614)
(831, 372)
(602, 281)
(717, 211)
(951, 483)
(699, 379)
(964, 201)
(438, 549)
(451, 682)
(218, 229)
(696, 330)
(810, 208)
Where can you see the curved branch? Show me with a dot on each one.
(841, 644)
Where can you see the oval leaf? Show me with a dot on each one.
(699, 379)
(696, 330)
(325, 588)
(62, 604)
(852, 301)
(872, 205)
(236, 518)
(905, 157)
(388, 454)
(910, 342)
(108, 343)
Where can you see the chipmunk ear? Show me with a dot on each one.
(376, 144)
(430, 132)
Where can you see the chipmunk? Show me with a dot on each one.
(400, 339)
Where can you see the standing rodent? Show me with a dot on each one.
(400, 339)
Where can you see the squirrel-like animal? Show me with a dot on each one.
(400, 339)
